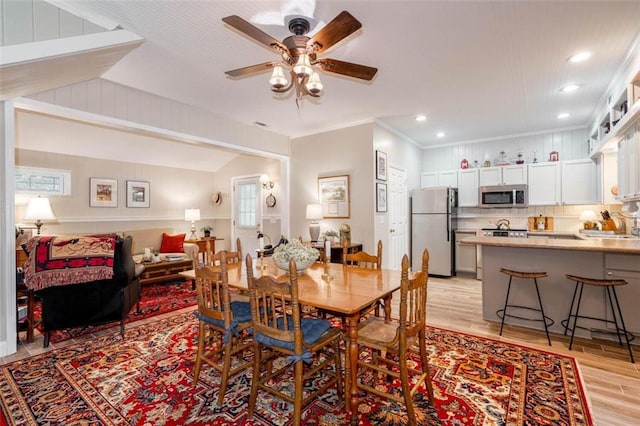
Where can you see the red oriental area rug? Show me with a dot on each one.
(147, 380)
(155, 299)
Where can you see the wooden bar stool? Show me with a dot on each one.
(610, 286)
(502, 313)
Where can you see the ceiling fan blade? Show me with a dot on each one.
(253, 69)
(362, 72)
(255, 33)
(342, 26)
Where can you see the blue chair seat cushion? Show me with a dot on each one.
(241, 313)
(312, 330)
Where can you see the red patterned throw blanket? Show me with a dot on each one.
(64, 260)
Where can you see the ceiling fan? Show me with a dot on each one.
(299, 54)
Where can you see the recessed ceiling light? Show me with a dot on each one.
(421, 117)
(570, 88)
(579, 57)
(563, 115)
(440, 134)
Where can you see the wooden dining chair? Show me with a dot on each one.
(231, 256)
(221, 326)
(383, 347)
(362, 259)
(279, 331)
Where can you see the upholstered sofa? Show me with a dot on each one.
(152, 239)
(94, 302)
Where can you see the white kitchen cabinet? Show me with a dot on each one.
(465, 254)
(579, 182)
(628, 159)
(503, 175)
(448, 178)
(442, 178)
(607, 172)
(468, 188)
(429, 180)
(544, 184)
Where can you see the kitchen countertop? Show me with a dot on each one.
(630, 246)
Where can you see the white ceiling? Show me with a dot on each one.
(477, 69)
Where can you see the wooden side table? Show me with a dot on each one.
(202, 246)
(336, 250)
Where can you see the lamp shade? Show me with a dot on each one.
(39, 209)
(191, 214)
(314, 211)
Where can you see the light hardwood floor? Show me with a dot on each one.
(612, 382)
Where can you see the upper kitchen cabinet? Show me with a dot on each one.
(628, 162)
(468, 188)
(579, 182)
(544, 184)
(503, 175)
(443, 178)
(607, 180)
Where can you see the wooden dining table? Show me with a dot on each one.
(341, 290)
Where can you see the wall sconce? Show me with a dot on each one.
(314, 213)
(192, 215)
(266, 182)
(39, 209)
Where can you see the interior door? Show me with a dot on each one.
(398, 199)
(247, 213)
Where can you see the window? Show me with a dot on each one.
(247, 195)
(30, 180)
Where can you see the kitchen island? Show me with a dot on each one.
(595, 258)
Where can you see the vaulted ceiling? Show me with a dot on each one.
(477, 70)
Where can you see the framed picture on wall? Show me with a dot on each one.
(103, 192)
(137, 193)
(333, 193)
(381, 197)
(381, 165)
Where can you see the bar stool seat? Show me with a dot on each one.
(610, 286)
(502, 313)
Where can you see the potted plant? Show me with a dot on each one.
(303, 255)
(331, 235)
(207, 231)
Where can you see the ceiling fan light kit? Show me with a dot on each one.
(299, 54)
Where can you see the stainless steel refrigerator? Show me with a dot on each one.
(432, 226)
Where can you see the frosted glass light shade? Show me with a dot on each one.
(302, 68)
(278, 79)
(314, 85)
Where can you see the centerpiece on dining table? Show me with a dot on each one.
(302, 254)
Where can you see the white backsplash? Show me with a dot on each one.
(565, 218)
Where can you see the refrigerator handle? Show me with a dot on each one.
(448, 230)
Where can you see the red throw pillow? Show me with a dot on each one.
(172, 243)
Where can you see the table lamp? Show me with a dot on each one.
(314, 214)
(192, 215)
(39, 209)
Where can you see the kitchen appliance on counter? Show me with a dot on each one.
(432, 227)
(503, 196)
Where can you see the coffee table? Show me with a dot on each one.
(165, 270)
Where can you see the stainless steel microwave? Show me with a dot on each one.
(503, 196)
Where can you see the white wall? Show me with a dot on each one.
(27, 21)
(344, 151)
(248, 165)
(571, 144)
